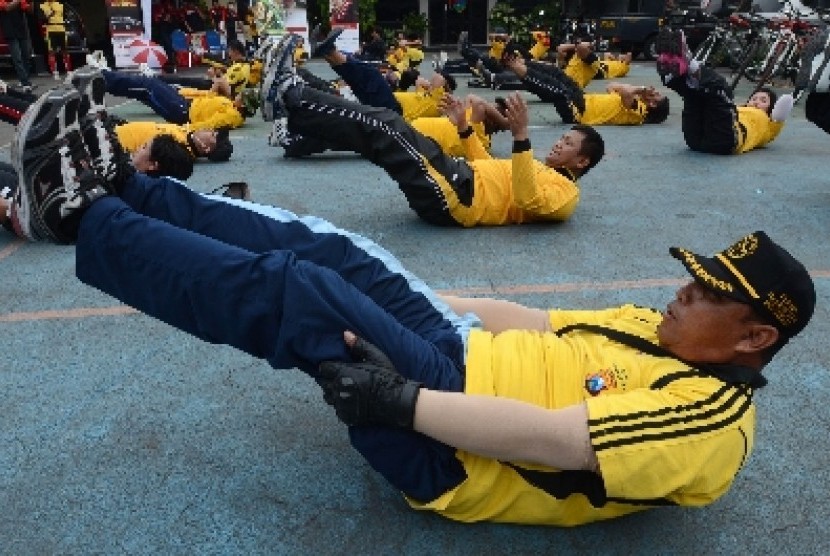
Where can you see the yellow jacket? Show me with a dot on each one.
(214, 112)
(755, 129)
(53, 12)
(134, 135)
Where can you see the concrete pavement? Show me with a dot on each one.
(119, 434)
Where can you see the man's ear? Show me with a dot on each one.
(758, 337)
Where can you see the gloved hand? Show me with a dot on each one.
(370, 390)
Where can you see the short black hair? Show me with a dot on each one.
(773, 96)
(172, 158)
(236, 45)
(592, 145)
(224, 148)
(658, 113)
(450, 84)
(408, 78)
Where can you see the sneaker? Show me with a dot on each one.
(145, 70)
(97, 59)
(234, 190)
(56, 178)
(326, 46)
(108, 156)
(56, 76)
(673, 54)
(279, 132)
(281, 75)
(89, 82)
(267, 80)
(818, 65)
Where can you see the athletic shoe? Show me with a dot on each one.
(89, 82)
(276, 57)
(814, 73)
(109, 158)
(279, 132)
(281, 75)
(326, 46)
(56, 177)
(97, 59)
(234, 190)
(673, 54)
(145, 70)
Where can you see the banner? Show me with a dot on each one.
(277, 17)
(344, 15)
(126, 25)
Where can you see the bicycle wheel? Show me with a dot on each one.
(705, 49)
(749, 56)
(771, 66)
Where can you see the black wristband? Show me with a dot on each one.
(521, 146)
(466, 133)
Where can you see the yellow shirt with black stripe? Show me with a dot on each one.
(756, 129)
(134, 135)
(53, 12)
(580, 71)
(510, 191)
(419, 104)
(664, 434)
(612, 69)
(608, 109)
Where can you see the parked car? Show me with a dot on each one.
(76, 39)
(627, 25)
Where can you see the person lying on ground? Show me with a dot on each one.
(551, 417)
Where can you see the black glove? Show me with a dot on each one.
(370, 390)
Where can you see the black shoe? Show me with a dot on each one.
(109, 158)
(280, 76)
(326, 46)
(89, 81)
(234, 190)
(57, 178)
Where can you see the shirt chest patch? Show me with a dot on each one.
(610, 378)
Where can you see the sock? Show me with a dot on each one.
(782, 108)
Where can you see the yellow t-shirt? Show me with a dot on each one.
(760, 130)
(581, 72)
(608, 109)
(664, 434)
(441, 130)
(510, 191)
(214, 112)
(419, 104)
(134, 135)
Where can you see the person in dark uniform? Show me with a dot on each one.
(16, 32)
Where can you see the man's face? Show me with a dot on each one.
(704, 326)
(760, 100)
(141, 158)
(437, 81)
(565, 152)
(205, 141)
(652, 96)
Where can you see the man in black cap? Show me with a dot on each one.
(508, 414)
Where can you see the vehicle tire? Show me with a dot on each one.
(649, 48)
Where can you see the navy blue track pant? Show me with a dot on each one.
(282, 289)
(162, 97)
(368, 84)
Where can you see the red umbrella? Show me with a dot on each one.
(147, 52)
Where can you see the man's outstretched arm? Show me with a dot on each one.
(498, 315)
(370, 391)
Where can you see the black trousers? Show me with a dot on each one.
(553, 85)
(381, 136)
(817, 110)
(710, 117)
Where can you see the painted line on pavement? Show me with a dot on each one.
(123, 310)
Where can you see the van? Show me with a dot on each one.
(626, 25)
